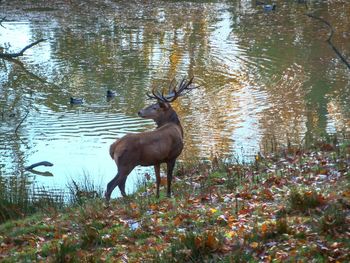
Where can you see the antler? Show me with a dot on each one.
(173, 92)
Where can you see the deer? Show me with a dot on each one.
(152, 148)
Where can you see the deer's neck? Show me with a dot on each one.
(171, 118)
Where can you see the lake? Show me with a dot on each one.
(267, 78)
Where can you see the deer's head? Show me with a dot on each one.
(161, 111)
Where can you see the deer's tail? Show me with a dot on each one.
(111, 150)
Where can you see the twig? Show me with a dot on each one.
(19, 124)
(14, 55)
(329, 40)
(2, 20)
(325, 22)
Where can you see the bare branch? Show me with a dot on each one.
(329, 40)
(14, 55)
(325, 22)
(2, 20)
(19, 124)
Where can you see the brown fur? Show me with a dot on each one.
(149, 148)
(163, 145)
(111, 149)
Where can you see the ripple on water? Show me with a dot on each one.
(103, 125)
(76, 142)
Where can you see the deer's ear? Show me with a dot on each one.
(163, 105)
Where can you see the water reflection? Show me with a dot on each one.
(262, 76)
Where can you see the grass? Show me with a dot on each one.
(19, 197)
(193, 247)
(84, 189)
(304, 200)
(292, 206)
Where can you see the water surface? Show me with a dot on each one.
(265, 77)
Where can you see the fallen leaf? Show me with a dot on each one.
(254, 244)
(212, 242)
(198, 242)
(213, 210)
(264, 228)
(163, 181)
(133, 205)
(177, 221)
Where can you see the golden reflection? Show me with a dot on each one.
(284, 119)
(338, 117)
(263, 76)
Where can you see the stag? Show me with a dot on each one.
(162, 145)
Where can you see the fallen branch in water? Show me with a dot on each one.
(44, 163)
(329, 40)
(14, 55)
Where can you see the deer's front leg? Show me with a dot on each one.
(157, 172)
(170, 166)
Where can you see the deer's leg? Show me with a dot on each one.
(111, 185)
(119, 180)
(122, 186)
(157, 172)
(170, 168)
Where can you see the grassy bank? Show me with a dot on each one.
(291, 206)
(20, 197)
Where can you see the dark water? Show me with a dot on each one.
(264, 76)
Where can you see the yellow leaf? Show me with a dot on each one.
(213, 210)
(231, 234)
(254, 244)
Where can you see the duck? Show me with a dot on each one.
(268, 8)
(111, 93)
(76, 100)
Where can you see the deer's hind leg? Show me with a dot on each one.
(119, 180)
(122, 186)
(111, 185)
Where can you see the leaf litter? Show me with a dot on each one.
(287, 207)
